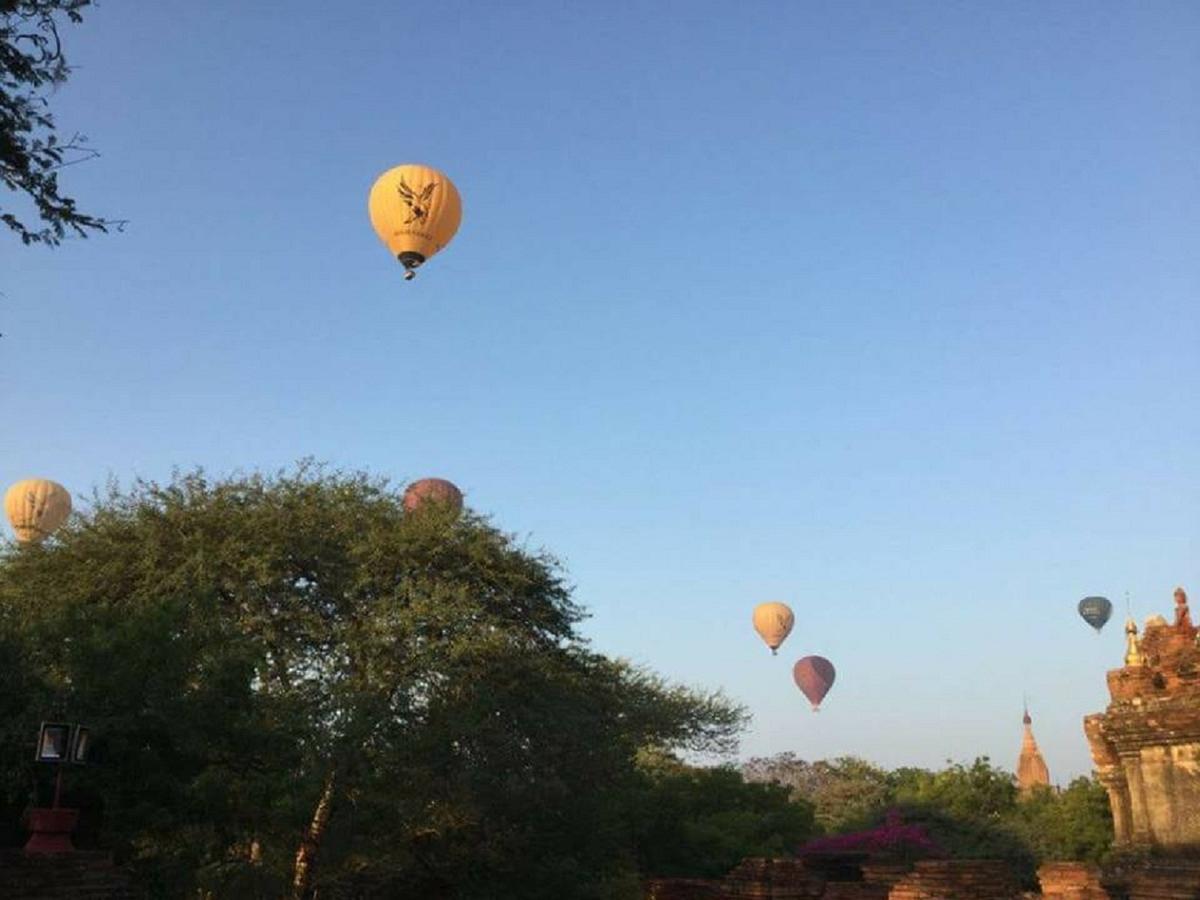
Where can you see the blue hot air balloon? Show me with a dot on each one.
(1095, 611)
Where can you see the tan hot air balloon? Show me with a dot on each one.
(415, 210)
(773, 622)
(36, 507)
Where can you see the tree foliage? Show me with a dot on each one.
(700, 822)
(969, 811)
(239, 645)
(980, 790)
(1073, 824)
(32, 65)
(845, 792)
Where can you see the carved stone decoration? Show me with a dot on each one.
(1183, 616)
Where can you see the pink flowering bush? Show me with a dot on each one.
(892, 839)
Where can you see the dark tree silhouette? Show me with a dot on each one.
(31, 152)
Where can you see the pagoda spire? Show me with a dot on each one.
(1133, 647)
(1031, 768)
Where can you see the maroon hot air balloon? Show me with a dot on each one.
(814, 676)
(435, 491)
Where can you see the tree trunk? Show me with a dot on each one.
(306, 854)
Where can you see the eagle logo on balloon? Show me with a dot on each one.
(418, 204)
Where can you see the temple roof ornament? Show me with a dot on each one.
(1133, 648)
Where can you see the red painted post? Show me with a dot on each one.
(51, 828)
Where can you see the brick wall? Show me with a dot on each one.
(771, 879)
(681, 889)
(79, 876)
(1071, 881)
(1166, 880)
(794, 879)
(956, 879)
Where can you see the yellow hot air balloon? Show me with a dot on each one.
(415, 210)
(35, 507)
(773, 622)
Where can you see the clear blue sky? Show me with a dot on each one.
(886, 310)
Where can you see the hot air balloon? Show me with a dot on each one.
(415, 210)
(773, 622)
(434, 491)
(1095, 611)
(36, 507)
(814, 676)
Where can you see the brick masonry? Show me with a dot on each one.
(1146, 744)
(956, 879)
(789, 879)
(80, 876)
(1071, 881)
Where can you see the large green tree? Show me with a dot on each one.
(295, 684)
(32, 66)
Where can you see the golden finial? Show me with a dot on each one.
(1133, 649)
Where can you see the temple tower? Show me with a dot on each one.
(1031, 768)
(1146, 745)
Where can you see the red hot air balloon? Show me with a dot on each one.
(435, 491)
(814, 676)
